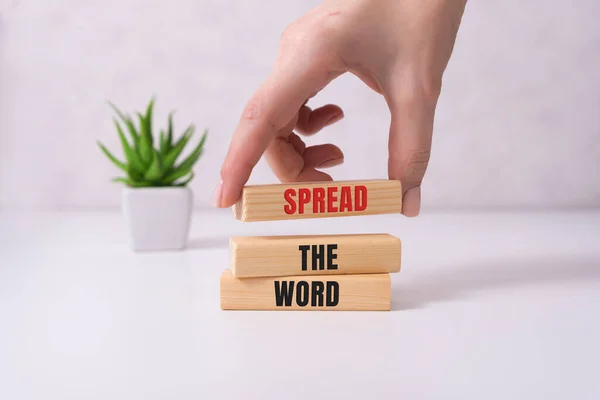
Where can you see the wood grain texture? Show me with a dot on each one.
(271, 256)
(318, 200)
(367, 292)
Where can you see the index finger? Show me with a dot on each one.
(270, 109)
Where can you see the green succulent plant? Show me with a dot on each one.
(151, 161)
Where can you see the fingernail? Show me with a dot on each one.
(411, 202)
(331, 163)
(216, 201)
(334, 119)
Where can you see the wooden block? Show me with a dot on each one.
(264, 256)
(318, 200)
(316, 293)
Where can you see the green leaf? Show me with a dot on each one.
(132, 157)
(186, 181)
(170, 131)
(178, 173)
(164, 145)
(126, 181)
(132, 183)
(155, 172)
(146, 147)
(172, 155)
(135, 174)
(186, 166)
(112, 158)
(135, 136)
(194, 155)
(147, 122)
(130, 126)
(149, 111)
(119, 113)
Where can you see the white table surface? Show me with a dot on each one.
(486, 306)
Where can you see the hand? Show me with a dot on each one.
(399, 48)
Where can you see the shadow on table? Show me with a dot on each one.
(462, 281)
(208, 243)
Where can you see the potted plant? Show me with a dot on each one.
(157, 202)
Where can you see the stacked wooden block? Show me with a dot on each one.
(313, 272)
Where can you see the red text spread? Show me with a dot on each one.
(321, 200)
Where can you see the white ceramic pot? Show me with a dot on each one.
(158, 218)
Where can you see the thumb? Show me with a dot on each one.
(412, 113)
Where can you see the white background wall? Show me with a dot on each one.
(518, 123)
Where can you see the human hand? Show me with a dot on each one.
(400, 49)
